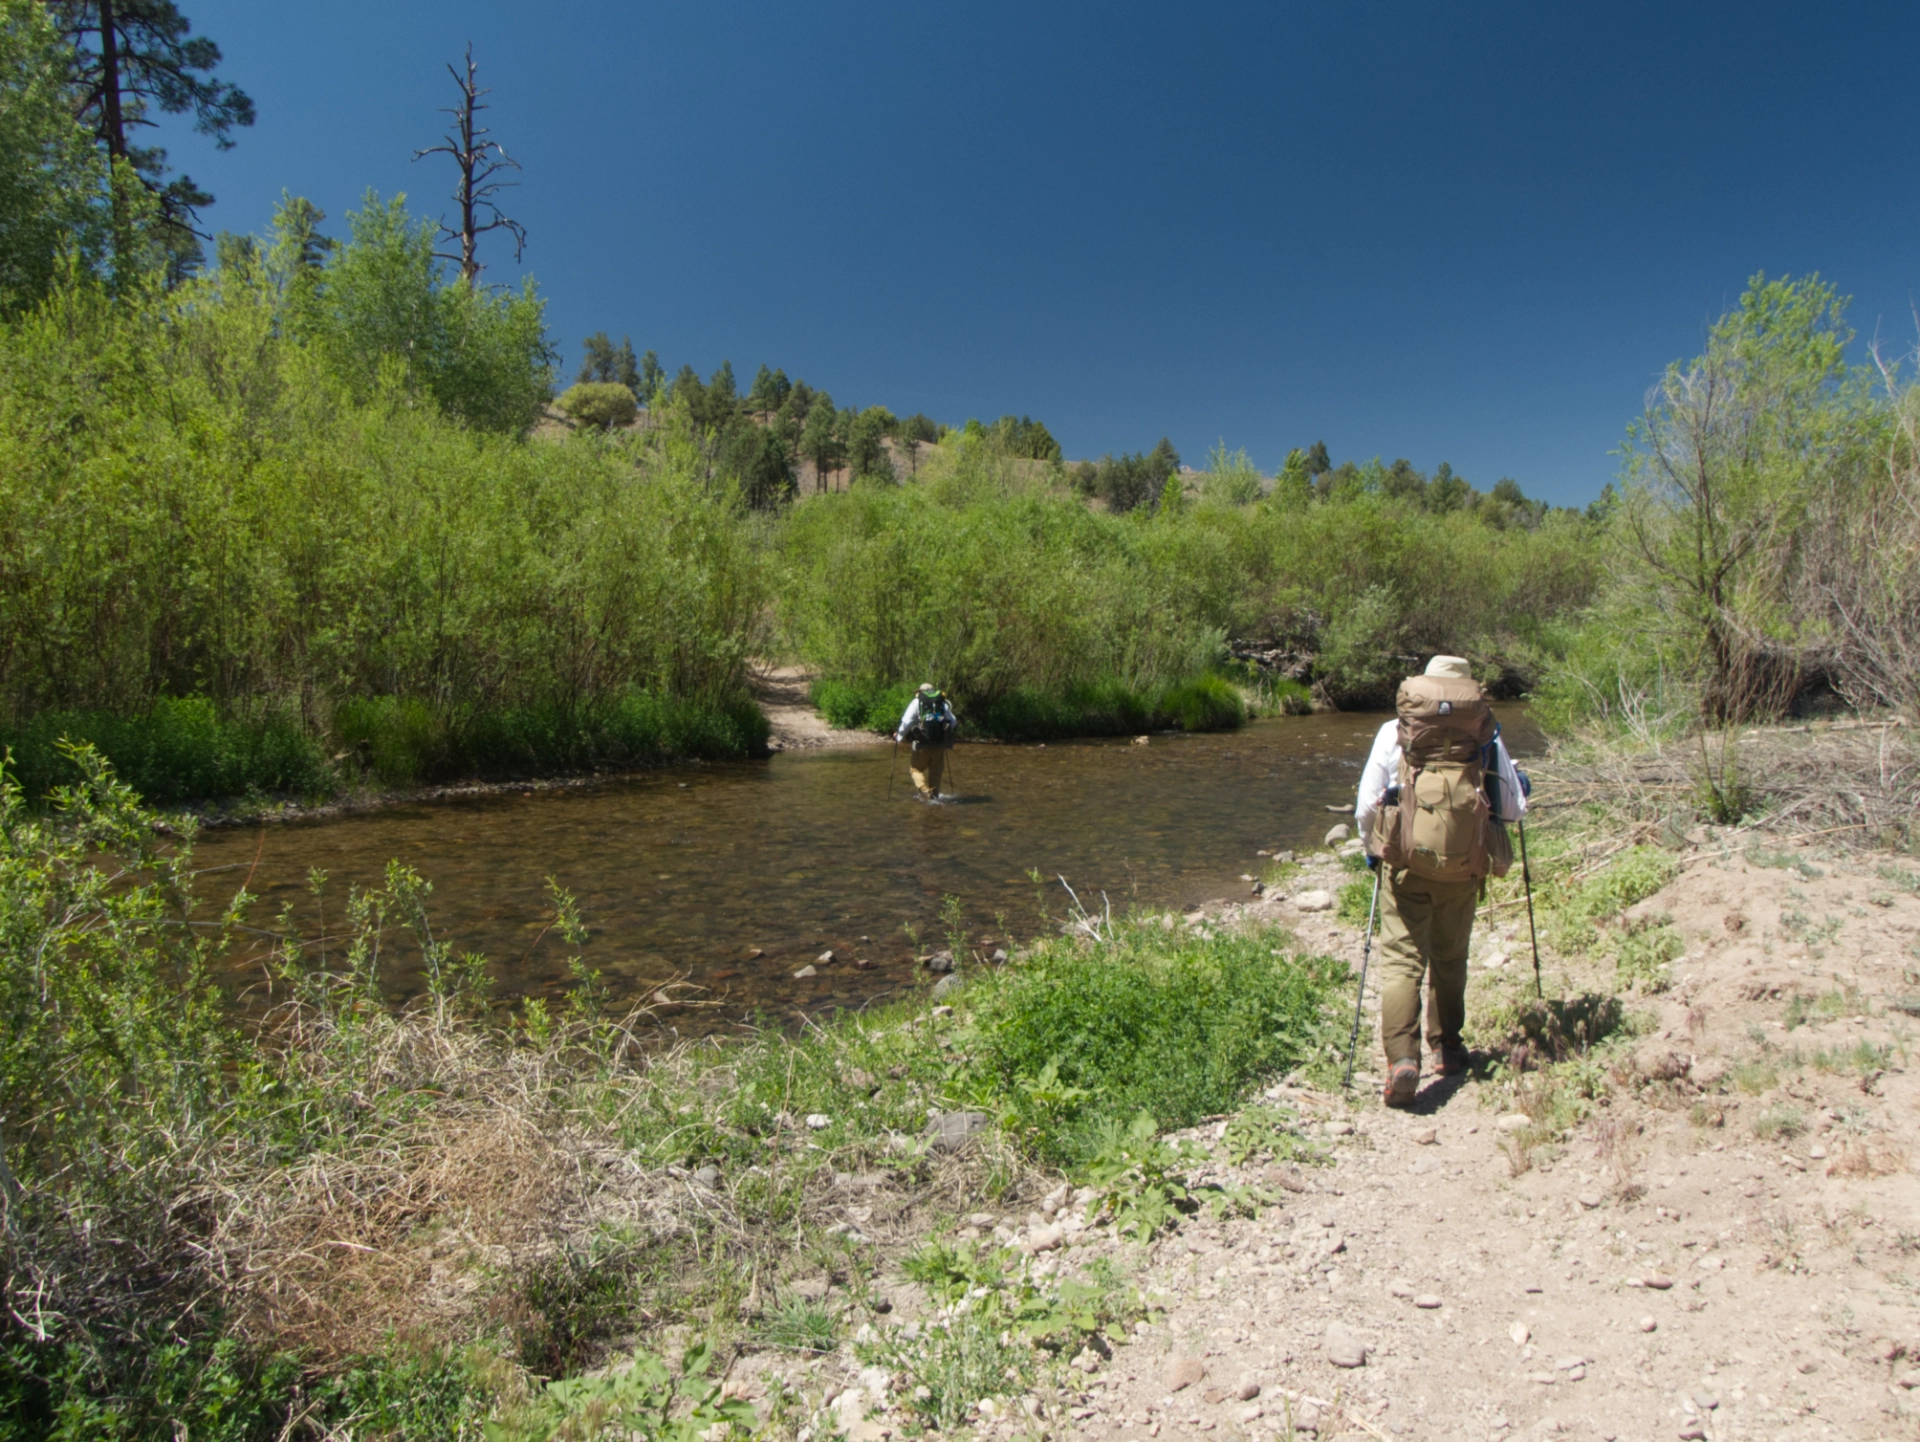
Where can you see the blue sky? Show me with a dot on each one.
(1471, 233)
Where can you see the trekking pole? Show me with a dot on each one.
(953, 779)
(891, 765)
(1360, 996)
(1526, 880)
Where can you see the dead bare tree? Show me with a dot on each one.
(481, 162)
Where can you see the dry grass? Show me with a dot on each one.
(1851, 783)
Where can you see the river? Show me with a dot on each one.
(730, 878)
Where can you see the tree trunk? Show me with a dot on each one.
(110, 83)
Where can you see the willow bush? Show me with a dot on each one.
(990, 577)
(200, 510)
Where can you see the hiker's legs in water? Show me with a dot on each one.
(1425, 927)
(928, 765)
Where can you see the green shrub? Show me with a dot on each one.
(1177, 1026)
(180, 749)
(599, 403)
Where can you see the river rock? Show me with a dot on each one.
(1520, 1332)
(1513, 1122)
(1428, 1301)
(1339, 833)
(1044, 1239)
(1248, 1389)
(1314, 900)
(708, 1176)
(1426, 1137)
(1590, 1200)
(825, 958)
(940, 961)
(818, 1121)
(950, 1130)
(1343, 1348)
(947, 985)
(804, 972)
(1647, 1324)
(1182, 1373)
(999, 957)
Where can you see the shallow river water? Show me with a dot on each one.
(688, 873)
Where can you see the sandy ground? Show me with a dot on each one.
(1679, 1265)
(782, 694)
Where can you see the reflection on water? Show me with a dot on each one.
(692, 872)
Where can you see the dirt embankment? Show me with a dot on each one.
(1725, 1244)
(783, 693)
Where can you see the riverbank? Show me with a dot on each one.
(1682, 1182)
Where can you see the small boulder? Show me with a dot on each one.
(1590, 1200)
(1338, 833)
(1426, 1137)
(1647, 1324)
(1182, 1373)
(1520, 1332)
(1316, 899)
(1343, 1348)
(1248, 1389)
(708, 1176)
(947, 985)
(940, 962)
(1657, 1280)
(950, 1131)
(1428, 1301)
(1513, 1122)
(1044, 1239)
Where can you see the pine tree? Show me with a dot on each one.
(130, 58)
(820, 439)
(652, 377)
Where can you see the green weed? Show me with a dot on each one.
(798, 1325)
(1356, 901)
(646, 1398)
(1272, 1132)
(1176, 1026)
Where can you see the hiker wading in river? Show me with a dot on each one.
(928, 723)
(1436, 788)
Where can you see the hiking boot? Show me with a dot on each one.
(1403, 1080)
(1453, 1061)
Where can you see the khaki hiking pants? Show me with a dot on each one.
(1425, 927)
(928, 764)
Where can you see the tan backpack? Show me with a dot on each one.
(1443, 829)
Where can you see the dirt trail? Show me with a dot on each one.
(1727, 1246)
(782, 694)
(1686, 1264)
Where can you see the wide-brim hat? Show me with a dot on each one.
(1455, 667)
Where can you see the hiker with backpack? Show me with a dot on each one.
(1436, 788)
(929, 723)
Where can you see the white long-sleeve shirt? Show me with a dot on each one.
(1383, 770)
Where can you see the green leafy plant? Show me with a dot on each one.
(644, 1397)
(1273, 1132)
